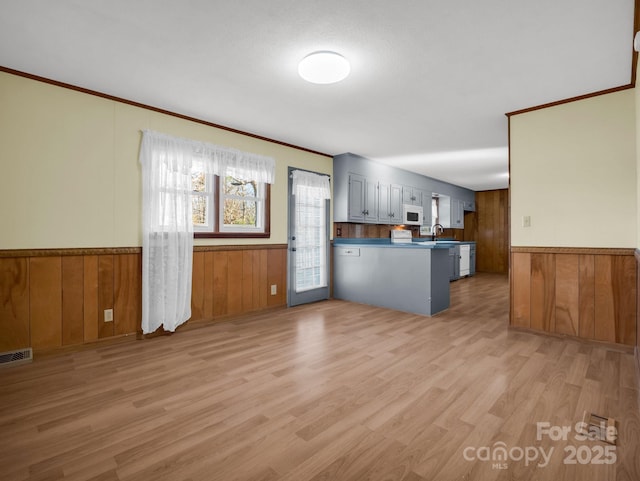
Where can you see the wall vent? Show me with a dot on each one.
(13, 358)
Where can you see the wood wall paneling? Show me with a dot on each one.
(277, 274)
(543, 292)
(492, 237)
(592, 296)
(220, 283)
(58, 298)
(127, 291)
(45, 302)
(521, 290)
(250, 297)
(235, 284)
(624, 292)
(586, 281)
(208, 285)
(605, 312)
(91, 298)
(197, 286)
(105, 294)
(567, 294)
(14, 304)
(72, 300)
(261, 279)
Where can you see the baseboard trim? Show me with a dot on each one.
(594, 342)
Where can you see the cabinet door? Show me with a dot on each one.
(454, 264)
(371, 201)
(356, 197)
(411, 196)
(395, 203)
(384, 207)
(457, 214)
(425, 198)
(472, 260)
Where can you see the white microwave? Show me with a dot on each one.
(412, 214)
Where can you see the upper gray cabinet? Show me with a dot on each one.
(469, 205)
(370, 192)
(389, 203)
(363, 199)
(457, 214)
(411, 195)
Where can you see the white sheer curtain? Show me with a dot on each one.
(167, 232)
(167, 225)
(311, 192)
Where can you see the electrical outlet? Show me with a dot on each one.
(108, 315)
(274, 289)
(526, 221)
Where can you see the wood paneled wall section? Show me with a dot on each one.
(491, 231)
(232, 282)
(51, 299)
(586, 293)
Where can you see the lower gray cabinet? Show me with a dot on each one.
(454, 263)
(472, 259)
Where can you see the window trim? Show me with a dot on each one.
(249, 234)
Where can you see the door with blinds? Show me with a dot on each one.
(309, 197)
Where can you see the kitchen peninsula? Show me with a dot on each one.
(411, 277)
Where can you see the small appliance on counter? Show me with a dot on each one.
(401, 236)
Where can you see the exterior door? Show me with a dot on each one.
(308, 276)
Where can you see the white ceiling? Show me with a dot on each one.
(430, 80)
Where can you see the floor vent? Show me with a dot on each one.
(13, 358)
(599, 428)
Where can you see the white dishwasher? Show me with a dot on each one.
(465, 250)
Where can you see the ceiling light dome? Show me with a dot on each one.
(324, 67)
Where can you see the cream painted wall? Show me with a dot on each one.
(573, 171)
(70, 172)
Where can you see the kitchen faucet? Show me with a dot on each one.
(434, 234)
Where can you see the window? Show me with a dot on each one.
(229, 206)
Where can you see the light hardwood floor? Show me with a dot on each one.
(327, 391)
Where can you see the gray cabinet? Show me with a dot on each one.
(415, 196)
(426, 208)
(363, 199)
(389, 203)
(472, 259)
(411, 196)
(469, 205)
(454, 263)
(404, 278)
(362, 190)
(457, 214)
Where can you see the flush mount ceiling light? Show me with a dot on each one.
(324, 67)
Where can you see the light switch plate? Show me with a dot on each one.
(274, 289)
(526, 221)
(108, 315)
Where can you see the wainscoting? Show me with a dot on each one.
(582, 292)
(55, 298)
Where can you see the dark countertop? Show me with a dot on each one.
(418, 243)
